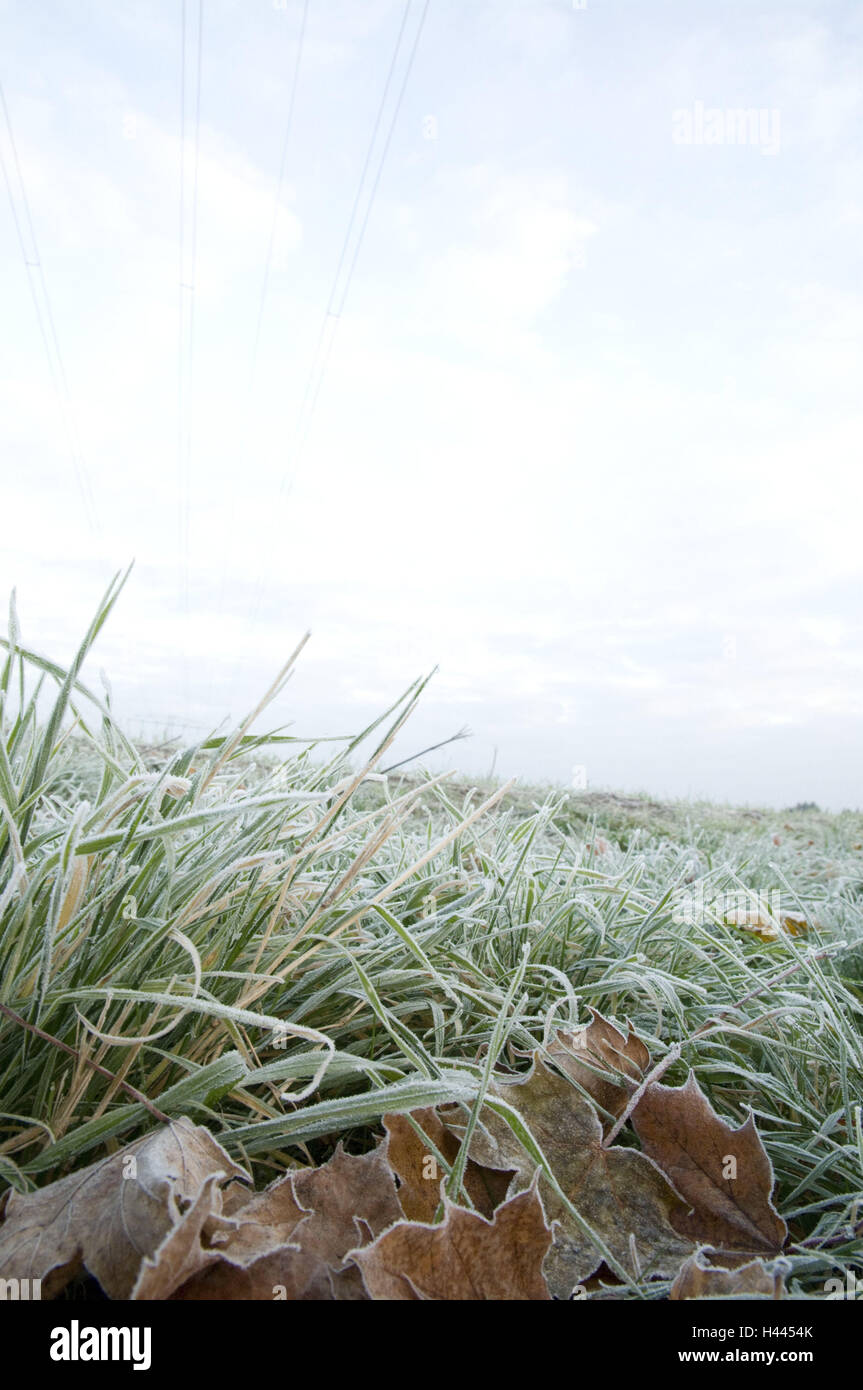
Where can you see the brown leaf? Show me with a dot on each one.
(796, 924)
(346, 1190)
(283, 1274)
(465, 1257)
(752, 1280)
(620, 1193)
(767, 929)
(235, 1196)
(680, 1130)
(265, 1222)
(601, 1045)
(420, 1176)
(345, 1203)
(181, 1253)
(207, 1235)
(110, 1215)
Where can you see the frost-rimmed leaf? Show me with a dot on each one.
(464, 1257)
(109, 1216)
(724, 1174)
(416, 1163)
(603, 1061)
(619, 1193)
(755, 1279)
(342, 1204)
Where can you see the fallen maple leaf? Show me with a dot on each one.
(765, 927)
(419, 1174)
(465, 1257)
(217, 1230)
(752, 1280)
(619, 1192)
(347, 1190)
(107, 1217)
(796, 924)
(602, 1047)
(724, 1174)
(341, 1205)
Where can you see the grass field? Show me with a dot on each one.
(260, 935)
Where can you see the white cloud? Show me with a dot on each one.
(525, 239)
(586, 415)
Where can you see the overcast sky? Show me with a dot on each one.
(583, 425)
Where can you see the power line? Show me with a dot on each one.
(186, 297)
(193, 280)
(327, 332)
(47, 326)
(244, 415)
(333, 314)
(336, 301)
(278, 195)
(186, 314)
(181, 517)
(370, 150)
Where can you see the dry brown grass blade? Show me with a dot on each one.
(237, 737)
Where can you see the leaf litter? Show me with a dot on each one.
(554, 1193)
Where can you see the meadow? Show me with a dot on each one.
(283, 945)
